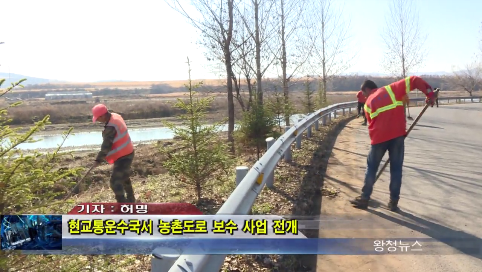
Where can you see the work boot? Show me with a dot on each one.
(121, 199)
(364, 123)
(359, 202)
(358, 115)
(393, 205)
(131, 199)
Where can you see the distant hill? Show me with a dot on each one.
(12, 78)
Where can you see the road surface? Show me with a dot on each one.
(441, 195)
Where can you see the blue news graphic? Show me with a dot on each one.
(200, 246)
(31, 232)
(225, 246)
(194, 246)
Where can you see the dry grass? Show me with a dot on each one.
(27, 113)
(133, 84)
(298, 187)
(131, 109)
(157, 106)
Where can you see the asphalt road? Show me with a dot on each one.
(441, 194)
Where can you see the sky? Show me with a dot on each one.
(146, 40)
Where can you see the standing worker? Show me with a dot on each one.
(385, 112)
(116, 149)
(361, 103)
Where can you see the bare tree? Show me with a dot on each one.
(216, 26)
(403, 38)
(330, 36)
(294, 48)
(470, 78)
(243, 60)
(257, 18)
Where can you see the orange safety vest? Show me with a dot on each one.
(122, 144)
(393, 101)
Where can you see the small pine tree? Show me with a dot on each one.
(309, 103)
(257, 124)
(200, 154)
(277, 107)
(29, 183)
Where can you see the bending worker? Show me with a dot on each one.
(116, 149)
(361, 103)
(385, 112)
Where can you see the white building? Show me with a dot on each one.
(67, 96)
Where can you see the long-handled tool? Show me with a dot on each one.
(79, 182)
(408, 131)
(408, 109)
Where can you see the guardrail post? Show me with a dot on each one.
(299, 137)
(270, 178)
(287, 154)
(323, 120)
(334, 114)
(317, 125)
(162, 261)
(241, 172)
(329, 118)
(343, 111)
(349, 110)
(308, 132)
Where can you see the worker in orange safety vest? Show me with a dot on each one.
(117, 149)
(385, 112)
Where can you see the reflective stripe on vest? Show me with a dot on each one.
(122, 144)
(407, 85)
(119, 148)
(391, 106)
(119, 135)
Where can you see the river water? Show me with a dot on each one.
(88, 138)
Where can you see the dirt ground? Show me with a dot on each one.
(345, 173)
(298, 187)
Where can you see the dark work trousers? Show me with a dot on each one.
(361, 110)
(120, 181)
(396, 153)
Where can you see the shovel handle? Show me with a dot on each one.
(78, 183)
(408, 131)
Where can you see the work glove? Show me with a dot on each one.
(431, 97)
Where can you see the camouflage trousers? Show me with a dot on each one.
(120, 181)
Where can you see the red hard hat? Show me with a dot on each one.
(98, 111)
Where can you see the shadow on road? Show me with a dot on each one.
(351, 152)
(479, 109)
(429, 126)
(435, 176)
(316, 172)
(459, 240)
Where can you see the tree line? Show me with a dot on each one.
(294, 38)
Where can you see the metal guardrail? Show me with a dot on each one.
(251, 183)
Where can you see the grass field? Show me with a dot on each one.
(159, 106)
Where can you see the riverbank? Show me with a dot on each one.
(131, 124)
